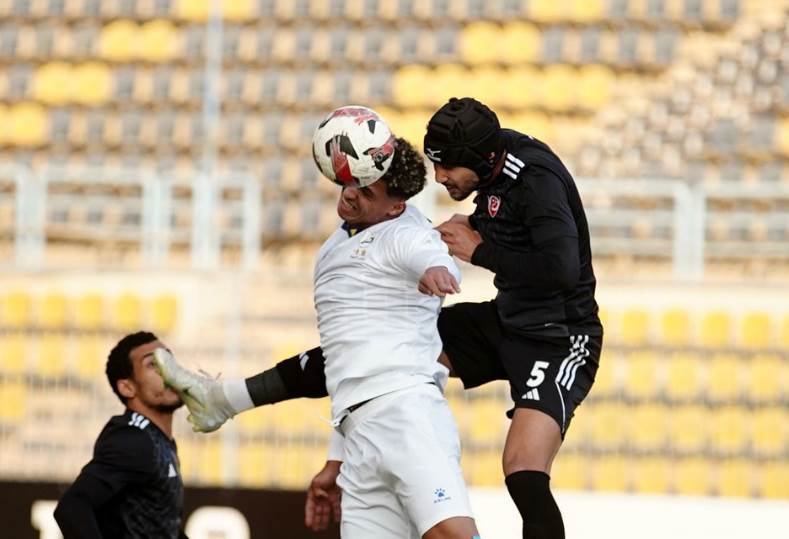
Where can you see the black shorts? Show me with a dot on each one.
(552, 374)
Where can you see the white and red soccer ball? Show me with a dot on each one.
(353, 146)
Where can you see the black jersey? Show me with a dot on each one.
(536, 240)
(130, 489)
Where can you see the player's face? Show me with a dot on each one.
(365, 206)
(459, 182)
(149, 386)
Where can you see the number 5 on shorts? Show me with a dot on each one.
(537, 375)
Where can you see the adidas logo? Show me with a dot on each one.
(171, 471)
(532, 395)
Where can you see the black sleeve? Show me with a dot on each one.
(122, 458)
(303, 374)
(554, 261)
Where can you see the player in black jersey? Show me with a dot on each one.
(132, 487)
(541, 332)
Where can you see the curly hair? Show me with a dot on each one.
(407, 173)
(119, 364)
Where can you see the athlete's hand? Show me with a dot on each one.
(323, 498)
(460, 238)
(437, 281)
(459, 218)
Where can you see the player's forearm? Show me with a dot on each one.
(76, 518)
(555, 266)
(296, 377)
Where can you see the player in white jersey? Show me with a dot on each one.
(379, 280)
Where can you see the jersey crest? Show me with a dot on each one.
(494, 202)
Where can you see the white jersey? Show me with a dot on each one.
(378, 332)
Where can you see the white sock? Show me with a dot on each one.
(237, 395)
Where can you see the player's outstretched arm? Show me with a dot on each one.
(438, 281)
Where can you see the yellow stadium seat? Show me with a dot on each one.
(521, 44)
(92, 83)
(446, 77)
(642, 380)
(651, 475)
(128, 311)
(193, 10)
(409, 88)
(609, 473)
(782, 137)
(675, 327)
(724, 378)
(13, 354)
(90, 358)
(13, 402)
(164, 314)
(729, 429)
(89, 312)
(485, 468)
(533, 123)
(609, 423)
(783, 339)
(683, 376)
(238, 10)
(560, 88)
(649, 427)
(52, 83)
(527, 78)
(595, 86)
(692, 476)
(774, 482)
(488, 423)
(479, 43)
(27, 125)
(53, 311)
(569, 471)
(157, 41)
(4, 119)
(755, 330)
(735, 478)
(208, 461)
(16, 309)
(254, 465)
(484, 83)
(606, 381)
(770, 431)
(768, 377)
(716, 329)
(51, 357)
(548, 12)
(688, 427)
(293, 469)
(635, 326)
(587, 11)
(118, 40)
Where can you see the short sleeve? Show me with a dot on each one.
(416, 249)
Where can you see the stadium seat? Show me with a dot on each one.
(118, 41)
(560, 91)
(51, 357)
(683, 376)
(724, 378)
(16, 309)
(128, 312)
(675, 327)
(642, 378)
(208, 462)
(609, 424)
(239, 10)
(651, 475)
(735, 477)
(774, 483)
(90, 358)
(648, 427)
(89, 311)
(596, 86)
(755, 330)
(409, 89)
(729, 429)
(479, 43)
(527, 78)
(587, 11)
(688, 428)
(489, 424)
(609, 473)
(606, 381)
(569, 471)
(520, 44)
(484, 82)
(13, 402)
(767, 378)
(53, 311)
(196, 11)
(782, 137)
(716, 329)
(164, 313)
(157, 41)
(484, 467)
(254, 465)
(14, 358)
(91, 84)
(635, 326)
(692, 476)
(52, 83)
(546, 12)
(770, 431)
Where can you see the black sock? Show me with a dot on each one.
(531, 492)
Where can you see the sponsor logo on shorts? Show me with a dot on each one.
(441, 496)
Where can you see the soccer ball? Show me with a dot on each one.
(353, 146)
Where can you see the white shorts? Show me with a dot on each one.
(401, 474)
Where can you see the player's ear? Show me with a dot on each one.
(397, 208)
(126, 388)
